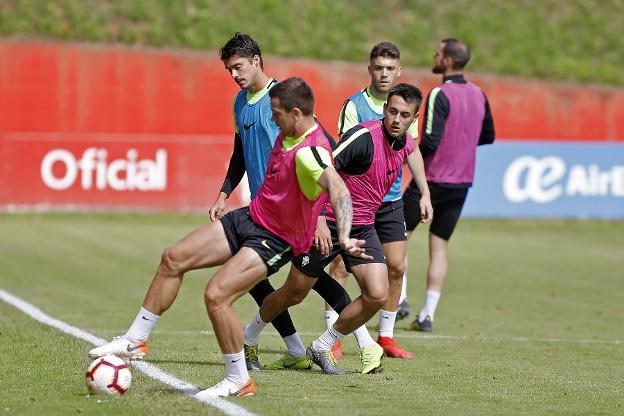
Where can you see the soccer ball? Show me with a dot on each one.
(108, 375)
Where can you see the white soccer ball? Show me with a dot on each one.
(108, 375)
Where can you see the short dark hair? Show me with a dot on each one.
(458, 51)
(408, 92)
(294, 92)
(242, 45)
(386, 50)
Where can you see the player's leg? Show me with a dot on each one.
(206, 246)
(390, 228)
(332, 292)
(357, 313)
(295, 289)
(404, 309)
(352, 317)
(262, 253)
(449, 203)
(373, 281)
(285, 327)
(338, 298)
(339, 273)
(395, 258)
(235, 278)
(411, 213)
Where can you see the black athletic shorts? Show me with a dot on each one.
(390, 222)
(447, 205)
(241, 231)
(313, 262)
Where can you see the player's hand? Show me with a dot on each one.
(322, 236)
(426, 209)
(216, 210)
(355, 248)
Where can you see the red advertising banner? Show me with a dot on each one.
(117, 128)
(113, 171)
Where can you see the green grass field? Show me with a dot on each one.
(530, 323)
(575, 40)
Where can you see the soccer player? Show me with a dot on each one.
(368, 158)
(252, 242)
(457, 119)
(367, 104)
(254, 137)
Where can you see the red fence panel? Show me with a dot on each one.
(108, 109)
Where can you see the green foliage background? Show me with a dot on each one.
(578, 40)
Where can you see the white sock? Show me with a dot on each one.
(235, 368)
(326, 341)
(403, 288)
(142, 325)
(363, 337)
(431, 303)
(330, 318)
(386, 323)
(294, 345)
(253, 329)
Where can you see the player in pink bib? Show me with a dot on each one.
(368, 159)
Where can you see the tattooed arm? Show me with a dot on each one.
(340, 200)
(344, 215)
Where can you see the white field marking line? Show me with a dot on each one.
(422, 337)
(150, 370)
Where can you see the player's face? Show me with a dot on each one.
(438, 60)
(285, 121)
(398, 115)
(384, 72)
(243, 70)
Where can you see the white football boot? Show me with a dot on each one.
(121, 347)
(227, 388)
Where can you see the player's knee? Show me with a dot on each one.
(396, 271)
(338, 271)
(376, 298)
(214, 298)
(295, 297)
(170, 261)
(340, 275)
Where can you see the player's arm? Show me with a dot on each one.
(348, 117)
(417, 168)
(235, 172)
(340, 200)
(436, 112)
(487, 128)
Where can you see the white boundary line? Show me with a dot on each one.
(150, 370)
